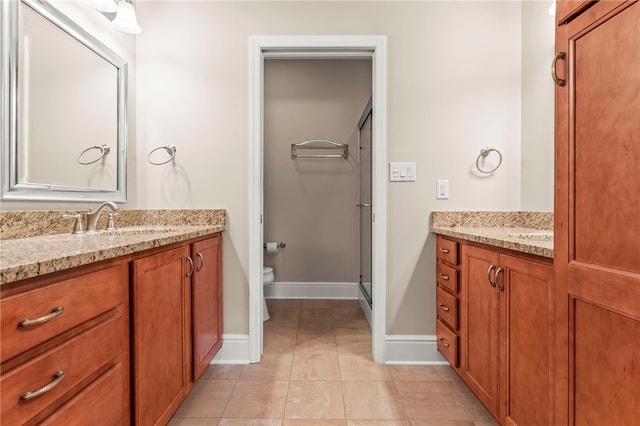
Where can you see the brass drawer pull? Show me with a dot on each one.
(445, 344)
(29, 322)
(444, 307)
(444, 277)
(444, 250)
(560, 82)
(497, 283)
(57, 378)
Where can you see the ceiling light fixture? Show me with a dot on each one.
(126, 19)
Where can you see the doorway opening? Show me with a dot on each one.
(319, 47)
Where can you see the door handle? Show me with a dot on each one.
(560, 82)
(492, 283)
(498, 271)
(363, 205)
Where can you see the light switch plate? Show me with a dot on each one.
(442, 189)
(402, 172)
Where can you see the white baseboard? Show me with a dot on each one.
(301, 290)
(234, 350)
(412, 350)
(364, 305)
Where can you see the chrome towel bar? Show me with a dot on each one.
(319, 144)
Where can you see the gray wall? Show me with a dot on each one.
(310, 203)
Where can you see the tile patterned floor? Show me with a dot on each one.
(317, 370)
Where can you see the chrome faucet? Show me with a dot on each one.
(93, 216)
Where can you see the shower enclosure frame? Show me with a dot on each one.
(305, 47)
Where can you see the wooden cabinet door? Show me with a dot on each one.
(597, 217)
(206, 294)
(480, 330)
(526, 336)
(160, 335)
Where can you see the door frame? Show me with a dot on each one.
(329, 47)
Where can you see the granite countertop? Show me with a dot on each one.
(26, 255)
(526, 232)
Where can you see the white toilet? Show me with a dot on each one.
(267, 278)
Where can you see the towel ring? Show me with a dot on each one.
(104, 150)
(484, 153)
(171, 150)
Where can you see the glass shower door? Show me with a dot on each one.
(364, 202)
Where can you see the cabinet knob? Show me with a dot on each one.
(444, 277)
(444, 307)
(442, 341)
(444, 250)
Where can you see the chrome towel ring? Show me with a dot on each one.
(104, 150)
(484, 153)
(171, 150)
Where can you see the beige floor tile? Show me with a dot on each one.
(346, 313)
(378, 423)
(271, 367)
(354, 367)
(440, 400)
(279, 343)
(284, 303)
(316, 343)
(355, 344)
(187, 421)
(316, 326)
(426, 373)
(491, 422)
(257, 400)
(352, 326)
(316, 303)
(284, 313)
(314, 400)
(345, 303)
(281, 326)
(372, 400)
(316, 313)
(313, 422)
(315, 366)
(207, 399)
(222, 372)
(250, 422)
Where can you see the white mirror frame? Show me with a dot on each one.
(10, 188)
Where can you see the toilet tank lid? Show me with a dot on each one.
(267, 269)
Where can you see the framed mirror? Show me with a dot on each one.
(64, 97)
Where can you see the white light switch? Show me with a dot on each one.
(402, 172)
(442, 189)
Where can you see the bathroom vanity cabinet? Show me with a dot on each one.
(503, 340)
(176, 327)
(65, 347)
(117, 342)
(597, 214)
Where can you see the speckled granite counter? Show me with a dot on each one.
(35, 243)
(526, 232)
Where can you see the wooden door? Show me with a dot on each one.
(480, 329)
(160, 335)
(526, 335)
(206, 293)
(597, 216)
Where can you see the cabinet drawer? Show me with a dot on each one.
(447, 250)
(98, 403)
(447, 276)
(81, 299)
(447, 308)
(78, 358)
(447, 343)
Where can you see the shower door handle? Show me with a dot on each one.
(363, 205)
